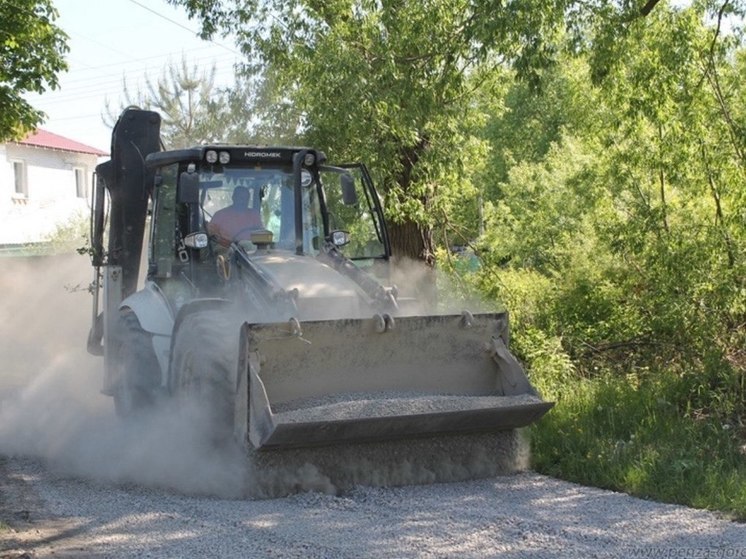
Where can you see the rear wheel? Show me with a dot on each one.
(204, 369)
(138, 372)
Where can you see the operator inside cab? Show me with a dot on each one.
(237, 221)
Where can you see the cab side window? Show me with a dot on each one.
(163, 235)
(355, 214)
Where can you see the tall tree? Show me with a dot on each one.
(192, 108)
(32, 50)
(259, 111)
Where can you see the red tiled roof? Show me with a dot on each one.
(46, 139)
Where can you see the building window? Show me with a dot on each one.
(81, 185)
(19, 176)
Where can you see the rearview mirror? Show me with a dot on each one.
(196, 240)
(340, 238)
(188, 188)
(349, 194)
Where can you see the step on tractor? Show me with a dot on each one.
(267, 298)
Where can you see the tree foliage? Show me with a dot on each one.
(390, 83)
(594, 143)
(393, 82)
(258, 111)
(628, 217)
(32, 50)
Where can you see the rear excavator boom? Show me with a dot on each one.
(287, 330)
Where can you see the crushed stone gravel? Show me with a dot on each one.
(344, 406)
(522, 515)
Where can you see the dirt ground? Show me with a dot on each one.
(523, 515)
(23, 520)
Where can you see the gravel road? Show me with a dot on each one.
(523, 515)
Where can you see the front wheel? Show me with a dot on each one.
(204, 370)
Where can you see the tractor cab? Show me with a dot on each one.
(213, 201)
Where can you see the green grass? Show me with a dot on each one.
(642, 437)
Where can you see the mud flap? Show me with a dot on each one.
(327, 382)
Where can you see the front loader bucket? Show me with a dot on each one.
(361, 380)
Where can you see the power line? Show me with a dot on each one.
(114, 79)
(195, 60)
(76, 117)
(134, 73)
(75, 107)
(96, 89)
(182, 26)
(78, 83)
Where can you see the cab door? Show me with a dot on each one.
(352, 205)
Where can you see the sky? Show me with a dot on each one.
(115, 40)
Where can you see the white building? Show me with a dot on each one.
(45, 182)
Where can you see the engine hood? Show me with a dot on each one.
(323, 293)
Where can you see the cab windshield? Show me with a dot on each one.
(239, 200)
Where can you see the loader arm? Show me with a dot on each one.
(264, 290)
(382, 298)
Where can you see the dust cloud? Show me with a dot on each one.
(424, 460)
(51, 407)
(427, 291)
